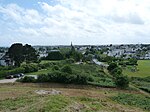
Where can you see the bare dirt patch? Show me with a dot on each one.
(45, 92)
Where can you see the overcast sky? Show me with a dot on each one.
(58, 22)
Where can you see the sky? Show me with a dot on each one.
(83, 22)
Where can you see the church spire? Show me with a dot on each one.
(71, 44)
(72, 47)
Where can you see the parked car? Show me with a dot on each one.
(9, 77)
(21, 74)
(16, 76)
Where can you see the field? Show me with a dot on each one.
(143, 69)
(23, 98)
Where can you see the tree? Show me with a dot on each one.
(133, 61)
(121, 81)
(55, 55)
(116, 71)
(29, 53)
(112, 66)
(19, 53)
(15, 52)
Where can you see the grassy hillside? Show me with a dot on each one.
(23, 98)
(143, 69)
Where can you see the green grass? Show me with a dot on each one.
(94, 104)
(47, 61)
(55, 103)
(22, 98)
(143, 69)
(44, 71)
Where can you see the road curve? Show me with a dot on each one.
(14, 79)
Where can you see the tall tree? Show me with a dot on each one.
(15, 52)
(19, 53)
(29, 53)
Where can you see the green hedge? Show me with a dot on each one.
(61, 77)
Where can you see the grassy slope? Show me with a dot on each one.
(22, 98)
(144, 69)
(44, 71)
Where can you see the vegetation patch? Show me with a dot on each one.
(14, 104)
(90, 104)
(133, 100)
(141, 83)
(55, 103)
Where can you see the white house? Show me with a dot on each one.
(6, 61)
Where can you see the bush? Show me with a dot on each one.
(3, 74)
(16, 71)
(67, 69)
(27, 79)
(43, 78)
(45, 65)
(61, 77)
(83, 79)
(30, 67)
(132, 61)
(6, 68)
(122, 81)
(70, 61)
(116, 71)
(55, 68)
(112, 66)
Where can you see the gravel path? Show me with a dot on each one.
(14, 79)
(8, 80)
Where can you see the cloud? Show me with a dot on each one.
(80, 21)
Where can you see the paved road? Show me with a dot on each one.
(14, 79)
(100, 63)
(8, 80)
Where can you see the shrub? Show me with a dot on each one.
(112, 66)
(116, 71)
(70, 61)
(28, 79)
(45, 65)
(122, 81)
(16, 70)
(3, 74)
(55, 68)
(83, 79)
(67, 69)
(62, 77)
(43, 78)
(30, 67)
